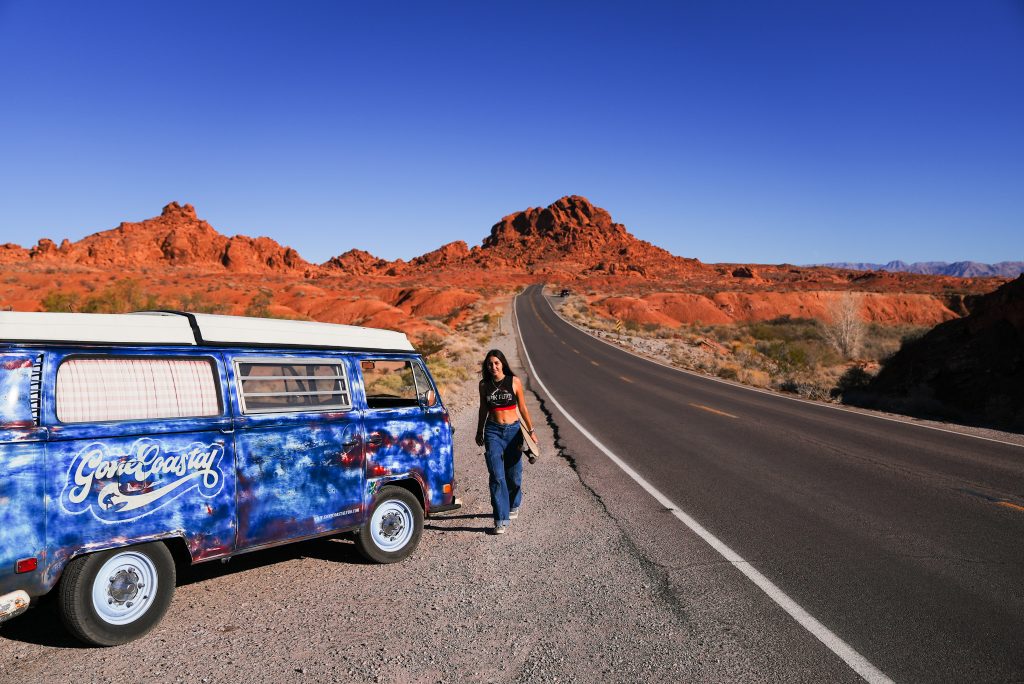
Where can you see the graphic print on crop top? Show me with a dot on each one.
(499, 396)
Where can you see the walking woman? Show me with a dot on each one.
(498, 431)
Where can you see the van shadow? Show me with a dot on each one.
(41, 625)
(436, 524)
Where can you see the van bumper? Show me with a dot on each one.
(13, 604)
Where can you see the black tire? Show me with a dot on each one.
(132, 606)
(393, 527)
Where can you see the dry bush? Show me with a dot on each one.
(845, 329)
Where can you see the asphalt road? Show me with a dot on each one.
(906, 542)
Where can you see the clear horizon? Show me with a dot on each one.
(789, 132)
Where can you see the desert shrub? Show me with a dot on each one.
(259, 305)
(788, 356)
(784, 328)
(728, 372)
(62, 302)
(430, 344)
(757, 378)
(121, 296)
(197, 303)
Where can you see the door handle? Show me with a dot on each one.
(375, 439)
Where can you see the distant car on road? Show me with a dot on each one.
(564, 293)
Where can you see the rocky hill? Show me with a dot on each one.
(177, 237)
(971, 367)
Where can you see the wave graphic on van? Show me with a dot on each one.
(118, 487)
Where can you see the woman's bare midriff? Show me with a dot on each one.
(502, 417)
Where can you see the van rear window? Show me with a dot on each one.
(135, 388)
(275, 386)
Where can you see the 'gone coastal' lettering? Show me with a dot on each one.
(124, 486)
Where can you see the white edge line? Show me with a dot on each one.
(765, 392)
(855, 660)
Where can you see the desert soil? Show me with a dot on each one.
(564, 596)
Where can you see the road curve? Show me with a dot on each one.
(907, 543)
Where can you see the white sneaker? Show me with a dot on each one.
(500, 529)
(513, 514)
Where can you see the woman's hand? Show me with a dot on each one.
(479, 439)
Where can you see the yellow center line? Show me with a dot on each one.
(595, 363)
(576, 350)
(1007, 504)
(623, 377)
(708, 408)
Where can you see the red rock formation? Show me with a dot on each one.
(574, 230)
(358, 262)
(570, 241)
(175, 238)
(450, 254)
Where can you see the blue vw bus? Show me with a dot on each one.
(132, 442)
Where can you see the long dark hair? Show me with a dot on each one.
(485, 373)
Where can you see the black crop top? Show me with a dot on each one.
(499, 395)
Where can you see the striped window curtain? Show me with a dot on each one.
(135, 389)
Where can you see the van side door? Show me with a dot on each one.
(299, 447)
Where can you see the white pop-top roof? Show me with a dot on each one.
(193, 329)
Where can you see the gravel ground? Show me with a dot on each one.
(566, 595)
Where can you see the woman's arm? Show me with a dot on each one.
(481, 418)
(521, 398)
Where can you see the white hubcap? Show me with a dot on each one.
(391, 525)
(124, 588)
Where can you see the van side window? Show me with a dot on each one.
(426, 394)
(279, 385)
(389, 384)
(135, 389)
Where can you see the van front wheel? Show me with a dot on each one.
(111, 597)
(393, 528)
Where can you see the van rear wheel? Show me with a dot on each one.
(393, 528)
(111, 597)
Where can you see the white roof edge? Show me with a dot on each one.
(217, 329)
(154, 327)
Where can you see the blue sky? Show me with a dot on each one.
(764, 132)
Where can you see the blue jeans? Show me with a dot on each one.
(503, 449)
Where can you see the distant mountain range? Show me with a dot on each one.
(959, 269)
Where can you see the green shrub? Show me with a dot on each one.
(259, 305)
(430, 344)
(62, 302)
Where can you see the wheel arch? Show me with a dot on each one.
(412, 485)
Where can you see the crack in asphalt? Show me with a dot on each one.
(656, 572)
